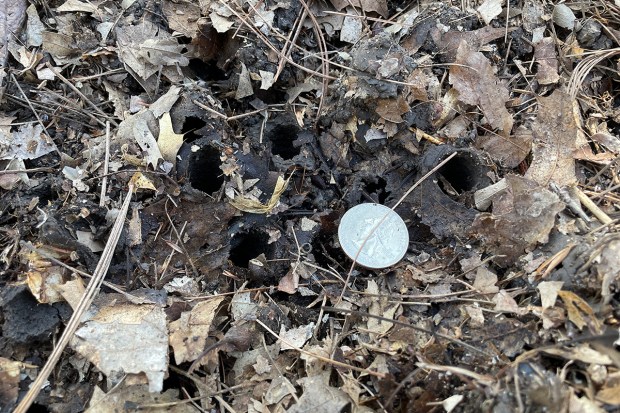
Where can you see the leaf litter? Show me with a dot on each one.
(242, 132)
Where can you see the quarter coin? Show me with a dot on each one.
(373, 235)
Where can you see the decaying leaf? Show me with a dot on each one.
(474, 78)
(189, 333)
(244, 88)
(9, 382)
(380, 6)
(295, 337)
(28, 142)
(145, 49)
(523, 215)
(579, 312)
(140, 181)
(549, 292)
(124, 338)
(124, 397)
(490, 9)
(379, 307)
(547, 61)
(256, 207)
(509, 151)
(182, 16)
(555, 139)
(319, 396)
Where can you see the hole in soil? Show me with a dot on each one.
(282, 137)
(378, 188)
(460, 173)
(246, 246)
(190, 126)
(204, 170)
(207, 71)
(271, 96)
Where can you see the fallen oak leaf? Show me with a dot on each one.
(256, 207)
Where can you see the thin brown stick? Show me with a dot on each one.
(324, 63)
(413, 327)
(85, 302)
(267, 43)
(27, 171)
(325, 359)
(378, 224)
(36, 114)
(79, 93)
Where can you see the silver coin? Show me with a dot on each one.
(373, 235)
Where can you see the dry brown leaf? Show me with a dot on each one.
(547, 61)
(392, 109)
(28, 142)
(140, 181)
(549, 292)
(244, 88)
(188, 334)
(380, 6)
(523, 215)
(581, 353)
(182, 16)
(9, 382)
(579, 312)
(555, 136)
(120, 398)
(295, 337)
(509, 151)
(490, 9)
(319, 397)
(474, 78)
(610, 395)
(256, 207)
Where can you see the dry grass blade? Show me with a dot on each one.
(416, 328)
(584, 67)
(85, 302)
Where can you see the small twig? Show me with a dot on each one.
(413, 327)
(85, 302)
(27, 171)
(79, 93)
(325, 359)
(378, 224)
(222, 116)
(480, 378)
(36, 114)
(592, 207)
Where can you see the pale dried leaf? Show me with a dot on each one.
(169, 142)
(555, 136)
(549, 292)
(127, 338)
(244, 89)
(28, 142)
(490, 9)
(295, 337)
(188, 334)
